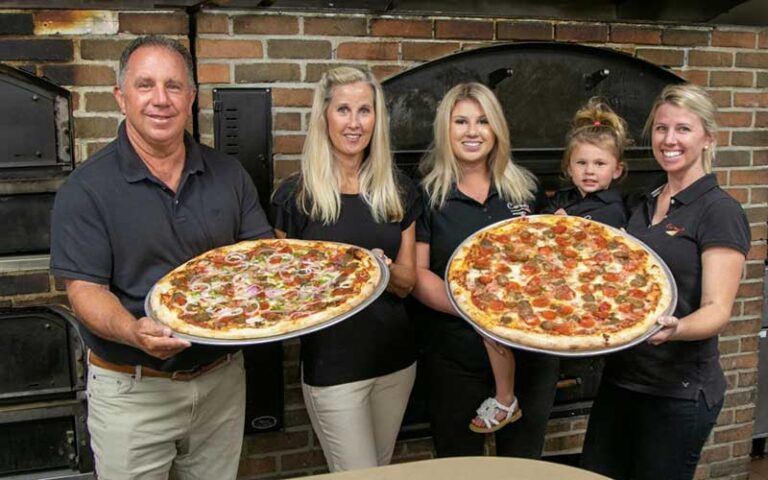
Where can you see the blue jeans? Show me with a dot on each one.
(636, 436)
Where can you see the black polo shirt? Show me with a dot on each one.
(444, 230)
(605, 206)
(701, 216)
(115, 224)
(380, 339)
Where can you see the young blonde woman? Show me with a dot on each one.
(469, 182)
(356, 375)
(658, 401)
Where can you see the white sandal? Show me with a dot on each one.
(487, 413)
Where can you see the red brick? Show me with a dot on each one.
(662, 56)
(287, 121)
(744, 415)
(724, 138)
(699, 58)
(229, 49)
(741, 327)
(685, 37)
(742, 448)
(715, 454)
(756, 214)
(762, 41)
(102, 49)
(525, 30)
(469, 29)
(265, 24)
(314, 71)
(734, 119)
(210, 23)
(267, 72)
(729, 347)
(292, 97)
(95, 127)
(750, 290)
(754, 138)
(752, 60)
(726, 38)
(295, 417)
(385, 27)
(699, 77)
(732, 467)
(299, 49)
(428, 50)
(636, 35)
(760, 157)
(385, 71)
(761, 119)
(757, 252)
(737, 362)
(269, 442)
(146, 23)
(367, 50)
(205, 98)
(91, 149)
(759, 195)
(285, 168)
(740, 398)
(355, 26)
(256, 466)
(754, 271)
(213, 73)
(100, 102)
(733, 158)
(302, 460)
(80, 75)
(581, 32)
(721, 98)
(288, 143)
(741, 195)
(732, 78)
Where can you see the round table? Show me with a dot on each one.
(461, 468)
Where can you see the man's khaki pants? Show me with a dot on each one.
(141, 426)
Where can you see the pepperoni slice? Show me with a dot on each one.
(564, 292)
(548, 314)
(497, 305)
(540, 302)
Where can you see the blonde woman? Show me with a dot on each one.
(469, 182)
(356, 375)
(658, 401)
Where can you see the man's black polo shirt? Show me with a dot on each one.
(701, 216)
(444, 230)
(605, 206)
(115, 224)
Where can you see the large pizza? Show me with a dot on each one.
(559, 283)
(263, 288)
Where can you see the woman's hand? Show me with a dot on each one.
(669, 325)
(380, 253)
(402, 271)
(561, 211)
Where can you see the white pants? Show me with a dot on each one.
(357, 423)
(139, 427)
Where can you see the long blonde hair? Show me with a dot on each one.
(597, 124)
(319, 193)
(697, 101)
(440, 166)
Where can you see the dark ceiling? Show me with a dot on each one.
(715, 12)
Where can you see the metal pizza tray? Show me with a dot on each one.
(383, 281)
(582, 353)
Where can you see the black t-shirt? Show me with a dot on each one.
(380, 339)
(444, 230)
(605, 206)
(115, 224)
(700, 216)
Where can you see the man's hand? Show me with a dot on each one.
(156, 340)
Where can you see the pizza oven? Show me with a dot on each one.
(540, 87)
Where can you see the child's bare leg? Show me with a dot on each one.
(503, 365)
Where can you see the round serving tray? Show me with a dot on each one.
(565, 353)
(383, 281)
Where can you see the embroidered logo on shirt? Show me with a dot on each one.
(673, 230)
(520, 209)
(685, 384)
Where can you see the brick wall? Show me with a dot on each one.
(287, 53)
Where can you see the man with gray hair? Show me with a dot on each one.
(146, 203)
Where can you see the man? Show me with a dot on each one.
(143, 205)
